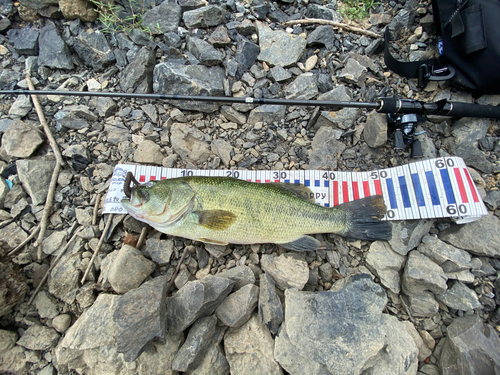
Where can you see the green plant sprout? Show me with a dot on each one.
(357, 8)
(114, 18)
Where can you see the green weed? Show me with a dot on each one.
(116, 18)
(356, 8)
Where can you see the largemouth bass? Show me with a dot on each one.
(223, 210)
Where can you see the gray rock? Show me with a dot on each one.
(38, 337)
(4, 190)
(219, 37)
(129, 269)
(249, 349)
(246, 54)
(386, 264)
(471, 347)
(279, 74)
(90, 345)
(343, 118)
(189, 80)
(303, 87)
(138, 75)
(76, 150)
(233, 115)
(140, 317)
(13, 285)
(84, 216)
(214, 362)
(450, 258)
(211, 15)
(116, 132)
(21, 107)
(61, 322)
(325, 149)
(475, 158)
(4, 124)
(20, 140)
(421, 305)
(53, 51)
(469, 131)
(194, 300)
(204, 52)
(493, 199)
(164, 18)
(45, 305)
(322, 12)
(203, 335)
(286, 271)
(407, 235)
(270, 308)
(94, 50)
(422, 274)
(460, 297)
(35, 175)
(54, 242)
(481, 237)
(241, 275)
(160, 251)
(324, 35)
(343, 332)
(189, 143)
(8, 78)
(106, 107)
(352, 71)
(375, 132)
(148, 152)
(238, 307)
(63, 279)
(75, 117)
(423, 350)
(267, 114)
(279, 47)
(25, 40)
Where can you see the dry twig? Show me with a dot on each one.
(49, 203)
(345, 26)
(171, 282)
(96, 208)
(99, 245)
(142, 238)
(54, 262)
(22, 244)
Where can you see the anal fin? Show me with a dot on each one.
(213, 242)
(304, 243)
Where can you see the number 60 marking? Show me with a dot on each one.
(452, 209)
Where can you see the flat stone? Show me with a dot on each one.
(223, 150)
(160, 251)
(54, 242)
(249, 349)
(270, 307)
(237, 308)
(287, 272)
(21, 107)
(325, 149)
(20, 140)
(94, 50)
(210, 15)
(421, 305)
(375, 132)
(233, 115)
(481, 237)
(343, 332)
(189, 143)
(129, 269)
(407, 234)
(61, 322)
(35, 175)
(45, 305)
(13, 286)
(267, 114)
(450, 258)
(471, 347)
(279, 74)
(140, 318)
(63, 280)
(194, 300)
(25, 40)
(148, 152)
(279, 47)
(302, 88)
(164, 18)
(324, 35)
(204, 52)
(422, 274)
(53, 51)
(241, 275)
(138, 75)
(386, 264)
(423, 350)
(460, 297)
(38, 337)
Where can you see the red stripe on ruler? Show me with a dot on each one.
(335, 193)
(345, 192)
(268, 181)
(472, 187)
(355, 189)
(366, 188)
(142, 178)
(378, 188)
(276, 180)
(461, 186)
(257, 180)
(152, 178)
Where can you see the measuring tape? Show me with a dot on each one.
(425, 189)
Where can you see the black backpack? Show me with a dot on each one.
(469, 47)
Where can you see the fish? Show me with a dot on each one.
(226, 210)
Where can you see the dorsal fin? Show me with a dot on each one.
(300, 191)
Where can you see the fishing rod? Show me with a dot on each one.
(391, 106)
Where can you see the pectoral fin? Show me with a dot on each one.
(304, 243)
(215, 219)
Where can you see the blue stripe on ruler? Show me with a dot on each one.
(296, 182)
(307, 183)
(418, 189)
(392, 195)
(447, 186)
(404, 192)
(327, 183)
(431, 183)
(316, 182)
(287, 181)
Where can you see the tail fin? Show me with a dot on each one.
(364, 222)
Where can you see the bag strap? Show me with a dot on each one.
(424, 70)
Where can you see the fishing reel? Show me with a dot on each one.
(404, 133)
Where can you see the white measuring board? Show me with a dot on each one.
(433, 188)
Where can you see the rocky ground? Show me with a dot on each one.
(426, 301)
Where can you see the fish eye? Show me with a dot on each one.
(150, 184)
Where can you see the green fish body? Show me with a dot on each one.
(222, 210)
